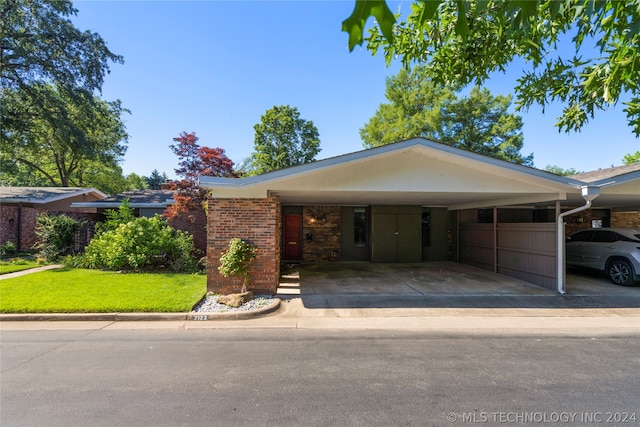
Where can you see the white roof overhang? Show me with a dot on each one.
(413, 172)
(622, 192)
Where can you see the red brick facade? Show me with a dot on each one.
(255, 220)
(18, 223)
(195, 224)
(324, 225)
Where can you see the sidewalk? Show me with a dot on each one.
(29, 271)
(291, 314)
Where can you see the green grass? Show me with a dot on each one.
(16, 264)
(92, 291)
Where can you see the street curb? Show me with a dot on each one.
(129, 317)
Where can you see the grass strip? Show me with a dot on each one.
(11, 266)
(92, 291)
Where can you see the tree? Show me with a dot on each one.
(632, 158)
(195, 161)
(41, 45)
(482, 123)
(419, 107)
(156, 179)
(136, 182)
(559, 171)
(283, 139)
(236, 260)
(42, 49)
(59, 133)
(414, 109)
(463, 42)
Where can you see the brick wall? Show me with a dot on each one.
(11, 220)
(324, 224)
(625, 219)
(194, 223)
(255, 220)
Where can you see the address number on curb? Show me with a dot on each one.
(200, 317)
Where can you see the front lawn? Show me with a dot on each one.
(91, 291)
(16, 264)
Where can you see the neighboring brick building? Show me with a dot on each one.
(19, 207)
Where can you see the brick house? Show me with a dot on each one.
(19, 207)
(413, 201)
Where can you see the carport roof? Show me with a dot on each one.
(619, 187)
(416, 171)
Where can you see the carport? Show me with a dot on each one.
(434, 285)
(412, 201)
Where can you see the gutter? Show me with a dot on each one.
(589, 193)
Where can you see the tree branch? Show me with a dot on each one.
(39, 169)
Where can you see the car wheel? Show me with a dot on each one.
(620, 272)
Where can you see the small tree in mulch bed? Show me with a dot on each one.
(235, 261)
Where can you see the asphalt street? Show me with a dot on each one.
(315, 377)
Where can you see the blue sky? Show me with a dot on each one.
(215, 67)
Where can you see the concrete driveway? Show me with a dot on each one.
(439, 284)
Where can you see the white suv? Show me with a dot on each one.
(616, 251)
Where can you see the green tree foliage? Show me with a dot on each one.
(413, 110)
(235, 261)
(114, 218)
(156, 179)
(143, 243)
(419, 107)
(560, 171)
(463, 42)
(55, 235)
(60, 135)
(41, 45)
(283, 139)
(136, 182)
(482, 123)
(631, 158)
(52, 126)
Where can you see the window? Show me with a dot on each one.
(605, 237)
(485, 216)
(360, 227)
(581, 236)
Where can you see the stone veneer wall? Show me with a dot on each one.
(255, 220)
(324, 223)
(582, 220)
(625, 219)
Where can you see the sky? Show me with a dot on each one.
(215, 67)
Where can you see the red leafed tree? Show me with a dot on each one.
(194, 161)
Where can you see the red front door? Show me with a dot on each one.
(292, 237)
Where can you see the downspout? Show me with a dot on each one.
(588, 193)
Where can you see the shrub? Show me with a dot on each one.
(235, 261)
(8, 249)
(144, 243)
(55, 235)
(123, 215)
